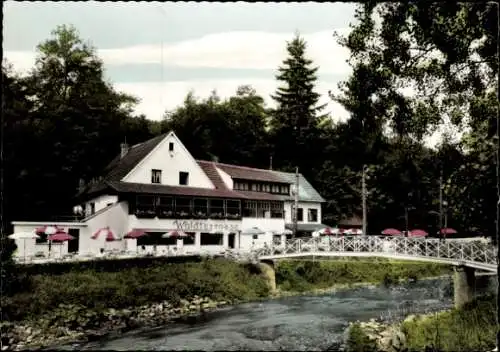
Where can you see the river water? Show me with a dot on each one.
(313, 323)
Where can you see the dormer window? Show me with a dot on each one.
(171, 147)
(155, 176)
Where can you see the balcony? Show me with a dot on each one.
(149, 207)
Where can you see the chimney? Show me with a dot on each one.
(124, 149)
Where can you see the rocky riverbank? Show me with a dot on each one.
(376, 336)
(71, 323)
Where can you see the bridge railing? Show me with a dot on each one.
(474, 251)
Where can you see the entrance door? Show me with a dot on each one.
(231, 240)
(73, 245)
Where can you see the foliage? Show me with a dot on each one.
(472, 328)
(216, 279)
(304, 275)
(294, 124)
(65, 111)
(231, 130)
(445, 54)
(358, 341)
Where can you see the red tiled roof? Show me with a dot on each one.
(211, 171)
(249, 173)
(120, 167)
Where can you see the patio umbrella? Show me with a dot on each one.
(60, 236)
(447, 231)
(105, 231)
(253, 231)
(23, 236)
(175, 234)
(135, 234)
(48, 229)
(417, 233)
(392, 232)
(326, 231)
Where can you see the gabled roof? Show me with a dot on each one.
(121, 166)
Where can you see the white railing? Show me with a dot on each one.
(473, 253)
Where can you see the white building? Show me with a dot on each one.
(158, 186)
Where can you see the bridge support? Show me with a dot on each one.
(267, 268)
(464, 284)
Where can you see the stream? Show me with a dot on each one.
(313, 323)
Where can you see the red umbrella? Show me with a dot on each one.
(326, 231)
(135, 233)
(392, 232)
(105, 231)
(417, 233)
(48, 229)
(447, 231)
(60, 236)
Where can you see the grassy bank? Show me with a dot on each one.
(301, 275)
(216, 279)
(472, 328)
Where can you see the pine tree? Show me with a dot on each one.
(294, 124)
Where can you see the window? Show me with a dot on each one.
(275, 189)
(182, 207)
(284, 190)
(233, 210)
(183, 178)
(312, 215)
(254, 187)
(155, 176)
(165, 207)
(255, 237)
(170, 147)
(216, 210)
(200, 208)
(300, 214)
(211, 239)
(267, 188)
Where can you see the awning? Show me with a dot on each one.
(306, 227)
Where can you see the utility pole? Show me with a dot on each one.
(296, 202)
(406, 220)
(441, 200)
(363, 199)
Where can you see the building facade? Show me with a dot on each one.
(157, 186)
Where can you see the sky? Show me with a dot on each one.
(159, 52)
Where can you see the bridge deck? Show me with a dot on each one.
(475, 254)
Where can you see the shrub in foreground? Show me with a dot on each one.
(471, 328)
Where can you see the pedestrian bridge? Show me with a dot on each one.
(473, 254)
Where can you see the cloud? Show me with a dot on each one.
(157, 97)
(240, 49)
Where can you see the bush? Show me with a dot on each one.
(472, 328)
(358, 341)
(297, 275)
